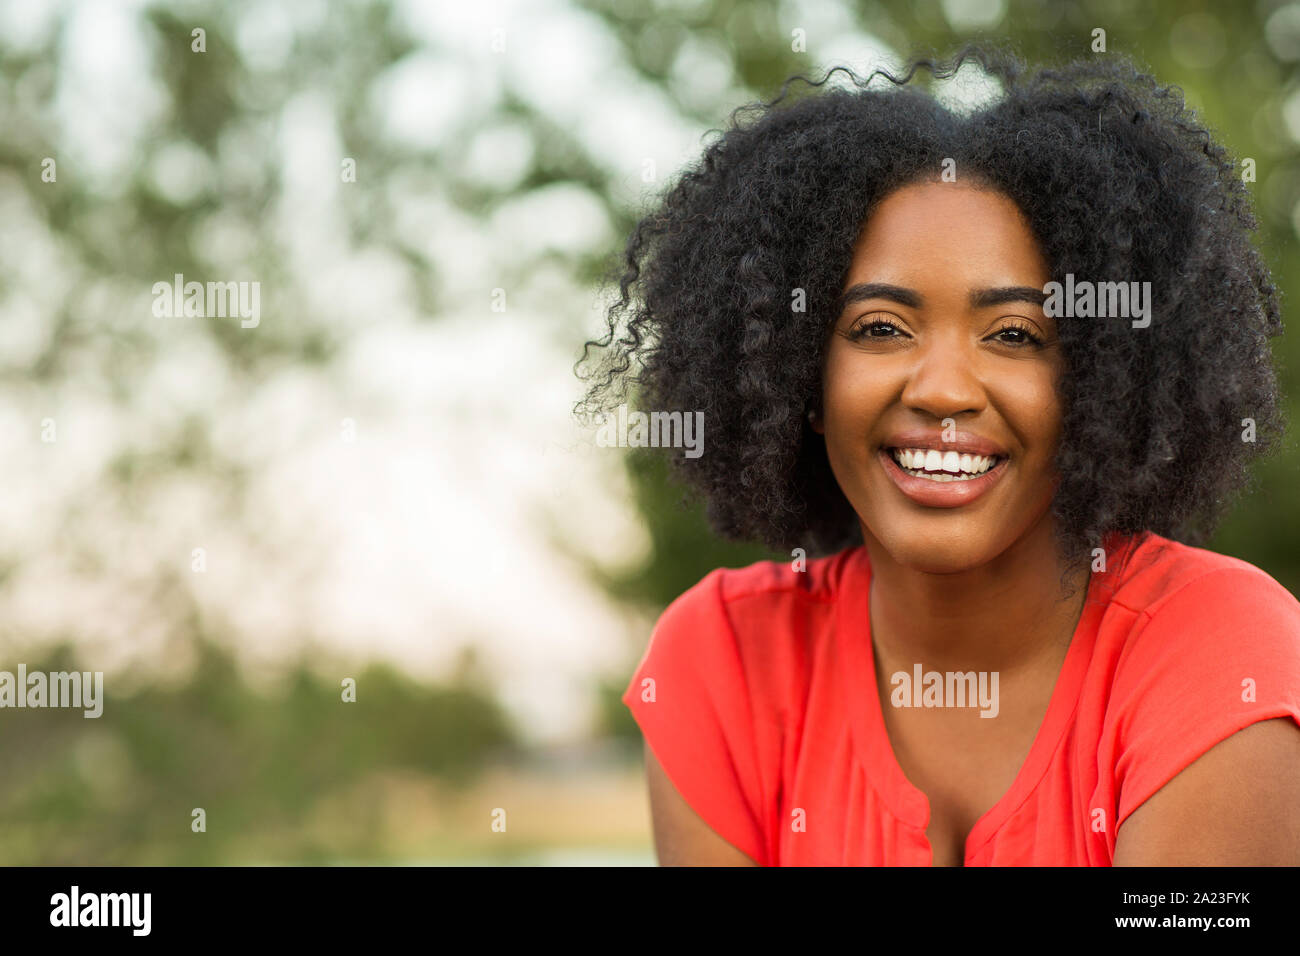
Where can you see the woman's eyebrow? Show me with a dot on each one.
(983, 298)
(979, 299)
(878, 290)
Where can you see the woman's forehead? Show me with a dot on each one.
(947, 233)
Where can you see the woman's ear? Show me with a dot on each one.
(815, 421)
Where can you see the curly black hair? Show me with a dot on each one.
(1119, 182)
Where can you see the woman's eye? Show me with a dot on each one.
(1013, 335)
(875, 330)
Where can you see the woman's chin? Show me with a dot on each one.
(931, 557)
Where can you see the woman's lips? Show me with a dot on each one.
(940, 494)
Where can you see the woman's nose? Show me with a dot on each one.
(943, 381)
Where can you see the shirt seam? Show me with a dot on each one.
(1151, 610)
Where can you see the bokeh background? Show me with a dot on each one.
(384, 476)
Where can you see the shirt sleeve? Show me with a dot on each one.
(1218, 655)
(690, 698)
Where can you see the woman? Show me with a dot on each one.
(998, 372)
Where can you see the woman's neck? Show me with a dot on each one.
(1002, 616)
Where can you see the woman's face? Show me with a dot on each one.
(943, 357)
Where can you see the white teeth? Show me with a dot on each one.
(942, 466)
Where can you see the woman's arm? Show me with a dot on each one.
(1237, 805)
(682, 838)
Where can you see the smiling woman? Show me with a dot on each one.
(1003, 494)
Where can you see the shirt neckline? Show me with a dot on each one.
(858, 681)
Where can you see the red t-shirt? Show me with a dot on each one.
(764, 704)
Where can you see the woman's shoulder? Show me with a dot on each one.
(1163, 579)
(802, 583)
(1201, 645)
(1198, 628)
(770, 617)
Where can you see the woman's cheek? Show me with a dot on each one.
(1030, 404)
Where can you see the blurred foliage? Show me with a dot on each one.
(679, 553)
(296, 775)
(120, 788)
